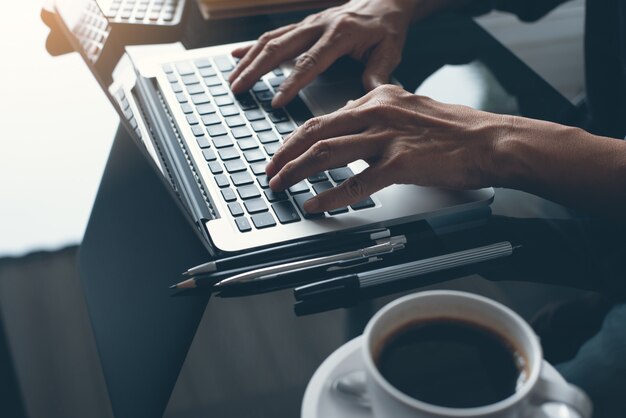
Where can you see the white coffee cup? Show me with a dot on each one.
(529, 400)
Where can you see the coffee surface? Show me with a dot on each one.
(450, 363)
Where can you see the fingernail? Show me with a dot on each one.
(311, 205)
(275, 182)
(269, 168)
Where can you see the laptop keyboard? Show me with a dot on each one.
(239, 134)
(142, 11)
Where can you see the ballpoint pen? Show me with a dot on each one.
(335, 260)
(350, 239)
(348, 284)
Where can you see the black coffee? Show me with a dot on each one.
(450, 363)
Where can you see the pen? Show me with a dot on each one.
(353, 238)
(346, 285)
(335, 260)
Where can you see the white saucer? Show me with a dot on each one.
(321, 402)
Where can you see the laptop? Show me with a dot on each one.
(211, 147)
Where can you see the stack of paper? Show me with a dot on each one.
(229, 8)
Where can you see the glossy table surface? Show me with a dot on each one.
(252, 356)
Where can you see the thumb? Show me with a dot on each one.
(383, 59)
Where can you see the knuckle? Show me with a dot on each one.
(265, 38)
(273, 46)
(343, 23)
(322, 150)
(355, 188)
(306, 62)
(311, 126)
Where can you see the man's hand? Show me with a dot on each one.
(404, 138)
(372, 31)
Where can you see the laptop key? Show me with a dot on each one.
(215, 167)
(181, 97)
(190, 79)
(184, 68)
(249, 191)
(338, 211)
(176, 87)
(260, 126)
(221, 180)
(205, 109)
(230, 110)
(199, 99)
(195, 89)
(235, 209)
(300, 199)
(340, 174)
(172, 78)
(260, 86)
(212, 81)
(218, 90)
(233, 166)
(263, 181)
(264, 96)
(222, 141)
(258, 168)
(223, 100)
(234, 121)
(285, 212)
(229, 153)
(203, 141)
(210, 119)
(191, 119)
(229, 195)
(298, 111)
(207, 72)
(317, 177)
(247, 144)
(209, 154)
(254, 114)
(267, 137)
(322, 187)
(197, 130)
(241, 132)
(202, 63)
(277, 71)
(299, 187)
(246, 101)
(167, 68)
(278, 116)
(285, 127)
(186, 107)
(273, 196)
(255, 206)
(272, 148)
(216, 130)
(241, 178)
(223, 63)
(263, 220)
(242, 224)
(276, 81)
(363, 204)
(252, 156)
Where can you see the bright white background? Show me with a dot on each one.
(56, 129)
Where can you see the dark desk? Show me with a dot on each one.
(252, 357)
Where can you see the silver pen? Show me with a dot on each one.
(390, 245)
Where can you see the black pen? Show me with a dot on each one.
(279, 252)
(348, 284)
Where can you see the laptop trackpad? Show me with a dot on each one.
(332, 89)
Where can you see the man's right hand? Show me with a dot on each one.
(372, 31)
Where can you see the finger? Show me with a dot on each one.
(251, 51)
(380, 64)
(325, 154)
(241, 51)
(351, 191)
(273, 53)
(332, 125)
(309, 65)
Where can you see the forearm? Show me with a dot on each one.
(564, 164)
